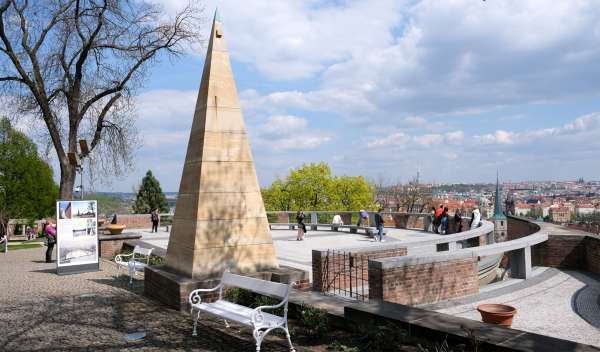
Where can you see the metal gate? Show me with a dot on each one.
(346, 274)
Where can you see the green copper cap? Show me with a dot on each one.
(217, 16)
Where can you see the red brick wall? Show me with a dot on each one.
(561, 251)
(592, 253)
(518, 228)
(326, 268)
(135, 221)
(110, 248)
(424, 283)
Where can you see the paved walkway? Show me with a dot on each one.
(41, 311)
(298, 254)
(561, 303)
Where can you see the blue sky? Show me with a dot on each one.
(456, 89)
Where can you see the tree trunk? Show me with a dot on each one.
(67, 181)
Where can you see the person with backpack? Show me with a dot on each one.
(379, 222)
(50, 231)
(301, 226)
(155, 218)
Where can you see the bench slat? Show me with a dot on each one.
(262, 287)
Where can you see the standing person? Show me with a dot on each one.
(379, 224)
(4, 241)
(114, 219)
(50, 231)
(430, 220)
(475, 219)
(363, 216)
(301, 226)
(154, 217)
(28, 232)
(444, 221)
(337, 220)
(438, 218)
(458, 225)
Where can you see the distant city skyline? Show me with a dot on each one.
(456, 90)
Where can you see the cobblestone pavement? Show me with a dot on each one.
(41, 311)
(566, 305)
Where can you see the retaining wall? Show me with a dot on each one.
(423, 280)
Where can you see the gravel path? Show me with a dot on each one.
(41, 311)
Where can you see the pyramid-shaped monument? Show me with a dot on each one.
(220, 221)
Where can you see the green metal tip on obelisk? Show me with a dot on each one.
(217, 15)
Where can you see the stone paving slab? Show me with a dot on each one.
(565, 305)
(41, 311)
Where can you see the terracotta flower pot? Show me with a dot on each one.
(498, 314)
(115, 229)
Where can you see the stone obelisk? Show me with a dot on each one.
(220, 221)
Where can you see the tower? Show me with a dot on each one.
(499, 219)
(220, 221)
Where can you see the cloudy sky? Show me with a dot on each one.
(454, 88)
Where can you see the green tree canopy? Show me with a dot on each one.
(313, 187)
(27, 188)
(150, 196)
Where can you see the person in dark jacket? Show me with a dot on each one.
(154, 217)
(458, 225)
(379, 222)
(444, 221)
(301, 226)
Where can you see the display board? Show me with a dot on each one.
(77, 236)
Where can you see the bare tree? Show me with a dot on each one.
(75, 65)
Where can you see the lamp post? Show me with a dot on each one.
(76, 160)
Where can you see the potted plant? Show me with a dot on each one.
(499, 314)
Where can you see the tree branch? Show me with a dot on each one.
(100, 122)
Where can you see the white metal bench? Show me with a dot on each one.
(140, 259)
(260, 321)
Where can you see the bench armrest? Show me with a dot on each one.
(257, 316)
(119, 257)
(195, 295)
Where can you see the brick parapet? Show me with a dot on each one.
(326, 264)
(424, 283)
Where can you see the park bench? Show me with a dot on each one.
(260, 321)
(140, 259)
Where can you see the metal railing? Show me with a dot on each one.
(346, 275)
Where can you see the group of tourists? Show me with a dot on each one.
(363, 217)
(440, 220)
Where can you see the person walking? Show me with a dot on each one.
(475, 219)
(50, 231)
(379, 222)
(458, 225)
(154, 217)
(301, 226)
(444, 221)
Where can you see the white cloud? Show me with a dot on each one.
(288, 133)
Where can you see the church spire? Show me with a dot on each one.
(498, 203)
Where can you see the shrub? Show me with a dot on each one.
(314, 321)
(383, 337)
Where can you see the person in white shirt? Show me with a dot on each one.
(337, 220)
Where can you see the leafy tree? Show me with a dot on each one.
(150, 196)
(313, 187)
(27, 189)
(75, 66)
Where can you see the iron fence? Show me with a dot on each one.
(346, 274)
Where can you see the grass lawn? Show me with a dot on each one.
(12, 247)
